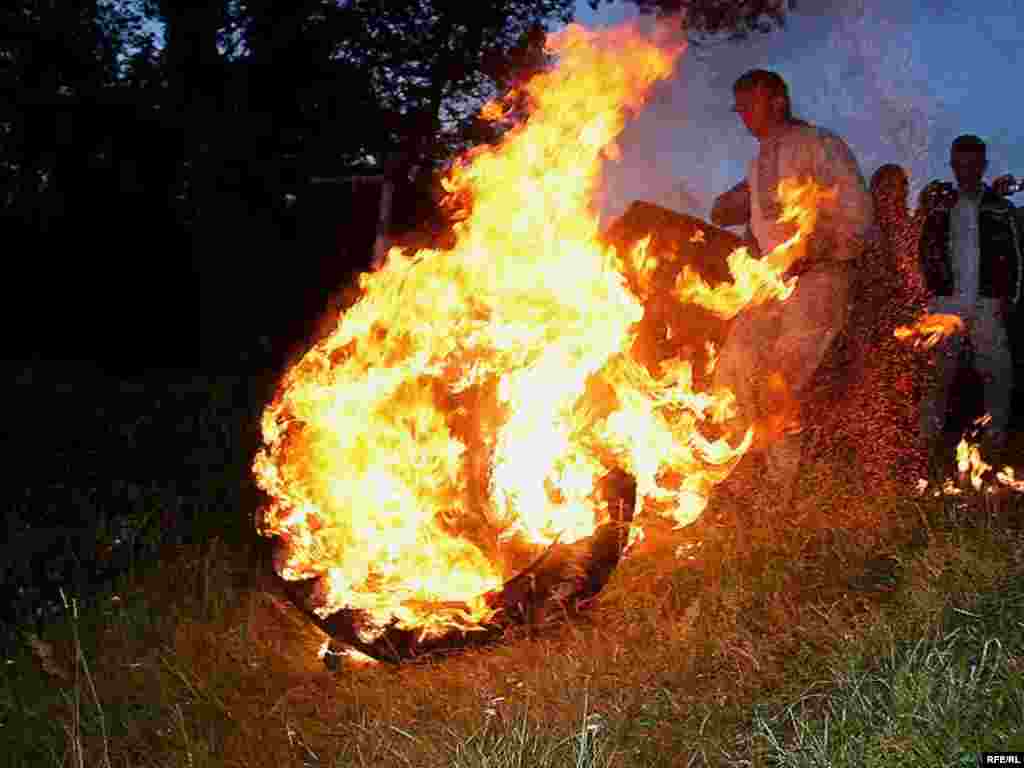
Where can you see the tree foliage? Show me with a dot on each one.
(176, 136)
(432, 64)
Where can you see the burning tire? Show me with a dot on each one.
(671, 328)
(540, 580)
(559, 582)
(467, 449)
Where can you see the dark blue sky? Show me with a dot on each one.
(899, 79)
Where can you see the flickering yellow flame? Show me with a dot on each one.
(471, 399)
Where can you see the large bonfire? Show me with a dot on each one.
(460, 417)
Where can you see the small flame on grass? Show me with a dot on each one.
(1007, 477)
(968, 460)
(971, 466)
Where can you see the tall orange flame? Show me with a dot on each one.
(465, 407)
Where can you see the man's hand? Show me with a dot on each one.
(732, 208)
(1004, 310)
(1005, 185)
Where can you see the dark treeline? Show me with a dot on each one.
(172, 174)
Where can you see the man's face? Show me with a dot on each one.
(759, 111)
(968, 167)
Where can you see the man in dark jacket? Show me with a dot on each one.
(971, 259)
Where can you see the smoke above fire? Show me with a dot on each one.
(875, 72)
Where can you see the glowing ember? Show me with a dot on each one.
(930, 330)
(459, 417)
(350, 656)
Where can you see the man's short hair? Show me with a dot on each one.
(968, 143)
(762, 78)
(772, 82)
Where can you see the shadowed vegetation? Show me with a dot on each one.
(860, 630)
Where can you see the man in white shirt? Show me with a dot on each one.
(971, 259)
(773, 349)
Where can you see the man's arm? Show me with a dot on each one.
(732, 208)
(852, 216)
(846, 223)
(1018, 252)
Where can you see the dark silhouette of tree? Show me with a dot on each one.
(58, 65)
(433, 64)
(154, 147)
(54, 56)
(374, 87)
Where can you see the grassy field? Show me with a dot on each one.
(871, 627)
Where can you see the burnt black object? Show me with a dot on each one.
(561, 581)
